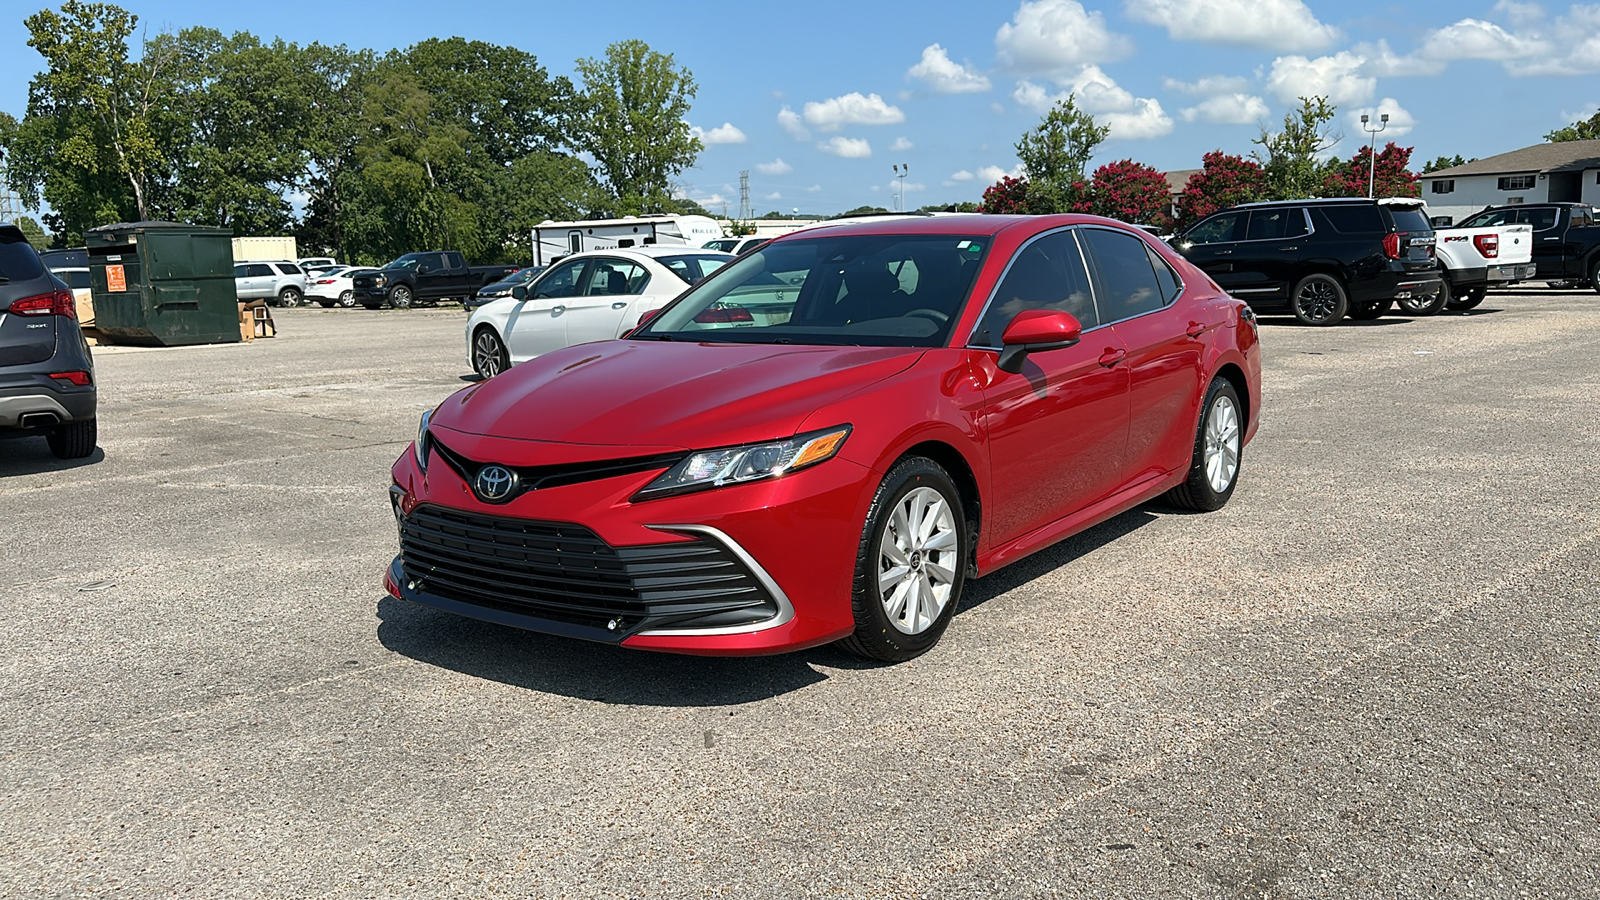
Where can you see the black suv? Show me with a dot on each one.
(46, 372)
(1319, 260)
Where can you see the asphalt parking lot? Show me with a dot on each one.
(1373, 674)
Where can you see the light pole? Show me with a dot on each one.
(900, 172)
(1372, 148)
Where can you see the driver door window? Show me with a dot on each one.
(1047, 274)
(562, 281)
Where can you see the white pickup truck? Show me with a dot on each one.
(1476, 258)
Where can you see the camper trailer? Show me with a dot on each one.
(552, 240)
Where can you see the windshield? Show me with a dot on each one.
(867, 290)
(409, 261)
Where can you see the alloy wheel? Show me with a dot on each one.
(1317, 301)
(347, 299)
(486, 354)
(917, 560)
(1222, 444)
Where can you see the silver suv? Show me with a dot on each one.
(277, 280)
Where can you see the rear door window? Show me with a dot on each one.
(1047, 274)
(1542, 219)
(1125, 283)
(615, 276)
(259, 270)
(1276, 223)
(290, 269)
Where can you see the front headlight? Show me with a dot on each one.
(422, 444)
(380, 280)
(751, 462)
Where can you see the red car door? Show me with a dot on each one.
(1058, 430)
(1136, 290)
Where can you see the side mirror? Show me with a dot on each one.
(1035, 331)
(648, 315)
(519, 293)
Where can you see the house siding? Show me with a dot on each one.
(1475, 192)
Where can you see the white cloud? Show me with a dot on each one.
(1521, 15)
(725, 133)
(944, 76)
(900, 144)
(852, 109)
(1227, 109)
(713, 200)
(1036, 96)
(1209, 86)
(1097, 93)
(775, 195)
(789, 121)
(1280, 25)
(848, 148)
(1477, 39)
(814, 188)
(910, 186)
(776, 167)
(992, 174)
(962, 175)
(1147, 120)
(1336, 77)
(1400, 122)
(1384, 62)
(1048, 36)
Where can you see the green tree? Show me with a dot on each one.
(861, 211)
(34, 232)
(1582, 130)
(329, 138)
(1055, 155)
(1290, 157)
(96, 125)
(630, 117)
(965, 206)
(1446, 162)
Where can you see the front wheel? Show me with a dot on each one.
(1319, 300)
(489, 354)
(400, 297)
(73, 440)
(911, 564)
(1218, 445)
(289, 297)
(1468, 299)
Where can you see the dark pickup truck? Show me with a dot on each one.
(1566, 240)
(424, 278)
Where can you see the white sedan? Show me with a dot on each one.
(334, 286)
(596, 295)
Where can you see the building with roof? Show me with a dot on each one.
(1565, 172)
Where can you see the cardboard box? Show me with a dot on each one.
(84, 301)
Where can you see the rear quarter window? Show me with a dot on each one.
(1411, 221)
(18, 260)
(1354, 219)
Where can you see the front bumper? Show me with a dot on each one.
(758, 568)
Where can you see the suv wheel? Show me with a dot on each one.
(1427, 304)
(73, 440)
(289, 297)
(1319, 300)
(400, 297)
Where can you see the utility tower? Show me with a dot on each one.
(744, 196)
(10, 204)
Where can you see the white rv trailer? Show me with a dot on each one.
(556, 239)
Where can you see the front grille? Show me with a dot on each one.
(565, 572)
(533, 478)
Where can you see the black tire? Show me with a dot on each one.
(1468, 299)
(289, 297)
(1428, 304)
(489, 356)
(1370, 309)
(1319, 300)
(73, 440)
(400, 297)
(1594, 275)
(876, 635)
(1197, 491)
(373, 305)
(347, 299)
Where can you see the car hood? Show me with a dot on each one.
(662, 395)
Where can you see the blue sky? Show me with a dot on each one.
(818, 99)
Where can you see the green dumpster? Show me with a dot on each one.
(163, 283)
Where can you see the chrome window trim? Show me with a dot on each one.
(1015, 255)
(785, 612)
(1165, 306)
(1305, 211)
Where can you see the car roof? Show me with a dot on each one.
(654, 251)
(1310, 201)
(963, 224)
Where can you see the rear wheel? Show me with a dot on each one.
(911, 564)
(1468, 298)
(289, 297)
(1594, 275)
(400, 297)
(1319, 300)
(1218, 447)
(1427, 304)
(73, 440)
(489, 354)
(1370, 309)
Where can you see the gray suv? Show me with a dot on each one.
(272, 280)
(46, 373)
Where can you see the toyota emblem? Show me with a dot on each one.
(495, 484)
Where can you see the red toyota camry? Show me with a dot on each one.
(824, 440)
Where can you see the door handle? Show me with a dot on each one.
(622, 305)
(557, 310)
(1195, 329)
(1552, 239)
(1112, 357)
(1224, 253)
(1287, 249)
